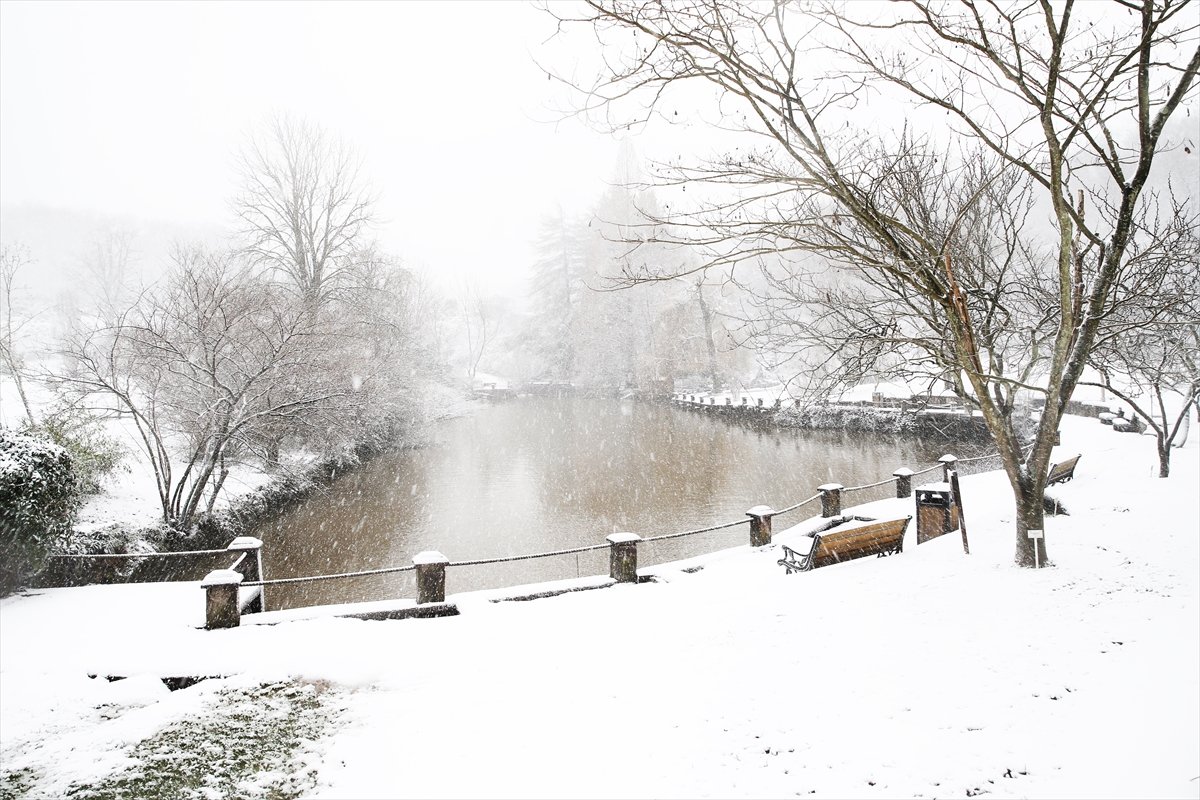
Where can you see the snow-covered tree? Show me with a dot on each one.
(207, 367)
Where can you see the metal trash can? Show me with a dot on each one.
(936, 515)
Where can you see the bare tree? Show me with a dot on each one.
(842, 318)
(13, 258)
(302, 205)
(481, 323)
(202, 366)
(1148, 350)
(1075, 99)
(381, 352)
(106, 265)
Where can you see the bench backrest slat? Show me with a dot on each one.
(844, 545)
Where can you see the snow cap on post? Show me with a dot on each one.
(430, 557)
(245, 543)
(221, 577)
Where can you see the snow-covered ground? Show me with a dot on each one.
(927, 674)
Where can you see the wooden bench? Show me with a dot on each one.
(837, 545)
(1061, 473)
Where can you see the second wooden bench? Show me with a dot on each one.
(1061, 473)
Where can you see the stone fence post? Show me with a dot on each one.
(903, 478)
(251, 568)
(623, 557)
(831, 499)
(221, 599)
(948, 463)
(760, 525)
(431, 576)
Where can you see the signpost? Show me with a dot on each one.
(956, 500)
(1035, 534)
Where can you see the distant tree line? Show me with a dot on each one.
(582, 331)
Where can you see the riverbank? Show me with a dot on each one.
(928, 674)
(126, 515)
(768, 408)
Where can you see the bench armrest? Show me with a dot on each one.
(803, 545)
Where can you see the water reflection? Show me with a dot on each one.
(543, 474)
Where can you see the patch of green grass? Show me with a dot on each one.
(247, 746)
(15, 784)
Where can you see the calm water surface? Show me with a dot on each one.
(540, 474)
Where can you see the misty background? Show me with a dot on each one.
(130, 115)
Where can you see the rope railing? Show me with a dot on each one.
(501, 559)
(860, 495)
(165, 554)
(312, 578)
(722, 526)
(526, 557)
(979, 458)
(982, 464)
(430, 572)
(886, 482)
(794, 506)
(483, 561)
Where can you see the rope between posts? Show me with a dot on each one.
(979, 458)
(698, 530)
(526, 557)
(869, 485)
(927, 470)
(141, 555)
(797, 505)
(312, 578)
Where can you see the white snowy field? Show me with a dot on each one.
(927, 674)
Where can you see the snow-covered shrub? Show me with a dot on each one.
(39, 496)
(94, 454)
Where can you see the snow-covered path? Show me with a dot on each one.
(927, 674)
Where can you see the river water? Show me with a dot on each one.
(540, 474)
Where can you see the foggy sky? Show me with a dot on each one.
(137, 109)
